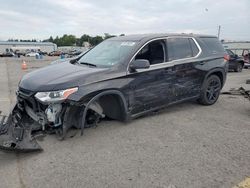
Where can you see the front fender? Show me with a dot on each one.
(97, 96)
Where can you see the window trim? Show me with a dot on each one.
(192, 47)
(166, 63)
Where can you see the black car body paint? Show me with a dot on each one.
(118, 91)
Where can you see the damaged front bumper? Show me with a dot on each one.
(16, 133)
(30, 119)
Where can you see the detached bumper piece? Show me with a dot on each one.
(15, 133)
(238, 91)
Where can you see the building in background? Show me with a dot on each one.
(237, 47)
(7, 46)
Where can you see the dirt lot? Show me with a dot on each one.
(183, 146)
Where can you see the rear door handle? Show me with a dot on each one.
(201, 63)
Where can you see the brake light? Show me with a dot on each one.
(226, 57)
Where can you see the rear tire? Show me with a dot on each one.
(210, 90)
(239, 68)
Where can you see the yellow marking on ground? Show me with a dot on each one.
(243, 184)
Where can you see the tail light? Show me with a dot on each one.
(226, 57)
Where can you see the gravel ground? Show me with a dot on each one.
(183, 146)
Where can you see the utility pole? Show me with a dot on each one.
(219, 32)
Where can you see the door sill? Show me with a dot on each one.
(134, 116)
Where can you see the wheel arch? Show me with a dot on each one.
(116, 100)
(119, 112)
(218, 72)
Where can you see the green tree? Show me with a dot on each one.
(50, 39)
(83, 38)
(71, 40)
(95, 40)
(56, 41)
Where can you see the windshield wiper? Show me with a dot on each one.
(89, 64)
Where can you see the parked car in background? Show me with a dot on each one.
(19, 53)
(55, 53)
(122, 78)
(69, 59)
(7, 54)
(236, 63)
(32, 54)
(42, 53)
(246, 57)
(74, 53)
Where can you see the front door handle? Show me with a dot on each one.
(201, 63)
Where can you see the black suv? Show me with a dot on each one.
(121, 78)
(236, 63)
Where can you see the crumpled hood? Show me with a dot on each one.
(59, 76)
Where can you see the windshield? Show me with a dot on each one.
(108, 53)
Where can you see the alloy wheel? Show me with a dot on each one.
(213, 90)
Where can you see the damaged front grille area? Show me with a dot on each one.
(28, 119)
(27, 97)
(31, 118)
(44, 114)
(3, 121)
(24, 93)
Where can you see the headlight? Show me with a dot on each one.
(55, 96)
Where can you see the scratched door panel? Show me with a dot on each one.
(150, 89)
(188, 81)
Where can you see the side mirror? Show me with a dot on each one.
(236, 56)
(139, 64)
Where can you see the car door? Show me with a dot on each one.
(232, 56)
(246, 56)
(151, 88)
(232, 63)
(188, 78)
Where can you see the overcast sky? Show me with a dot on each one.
(40, 19)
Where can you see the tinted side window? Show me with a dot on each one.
(213, 45)
(154, 52)
(194, 47)
(178, 48)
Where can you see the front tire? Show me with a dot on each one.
(210, 90)
(239, 68)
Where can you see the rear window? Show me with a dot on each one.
(213, 44)
(178, 48)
